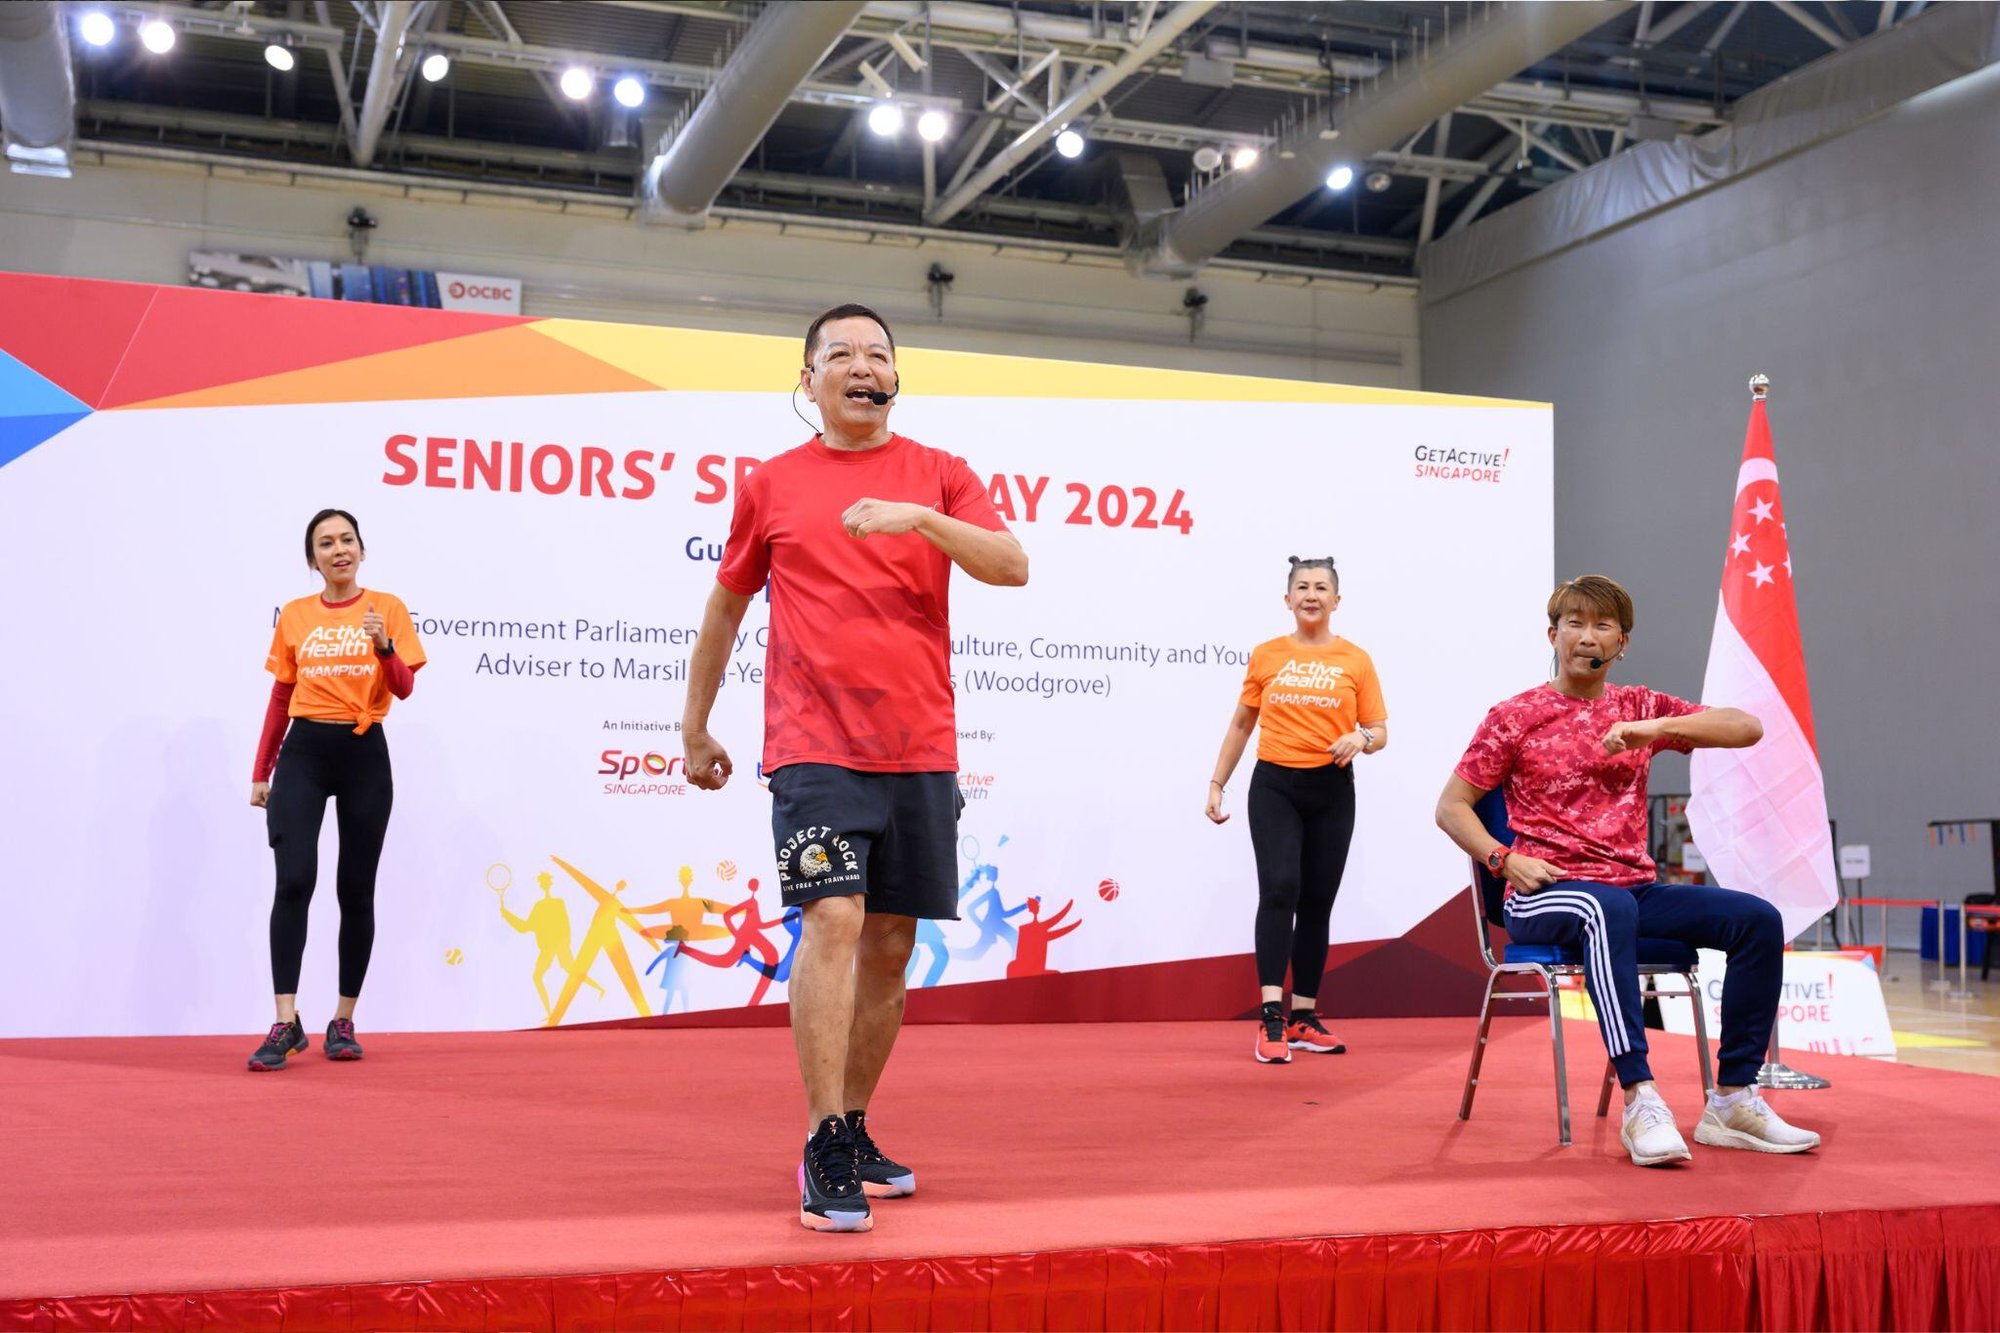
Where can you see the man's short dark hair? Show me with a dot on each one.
(851, 310)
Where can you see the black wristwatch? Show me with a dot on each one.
(390, 651)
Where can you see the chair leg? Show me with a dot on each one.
(1604, 1093)
(1556, 1044)
(1478, 1048)
(1700, 1029)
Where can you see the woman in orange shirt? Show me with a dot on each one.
(338, 656)
(1315, 701)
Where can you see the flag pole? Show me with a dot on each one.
(1775, 1073)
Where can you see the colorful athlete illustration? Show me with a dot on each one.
(690, 928)
(548, 922)
(602, 937)
(1031, 950)
(747, 928)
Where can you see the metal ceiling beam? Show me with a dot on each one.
(1722, 29)
(1679, 19)
(1797, 14)
(1509, 39)
(1166, 28)
(37, 89)
(338, 67)
(779, 51)
(387, 69)
(1529, 137)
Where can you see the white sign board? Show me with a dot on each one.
(1854, 860)
(1831, 1002)
(1692, 860)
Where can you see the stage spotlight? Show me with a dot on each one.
(96, 28)
(157, 36)
(279, 58)
(1069, 143)
(577, 83)
(1340, 178)
(436, 65)
(1378, 181)
(629, 91)
(885, 119)
(1244, 158)
(1207, 157)
(932, 126)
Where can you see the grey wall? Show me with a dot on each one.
(1863, 276)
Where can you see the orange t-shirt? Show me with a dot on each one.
(321, 650)
(1309, 697)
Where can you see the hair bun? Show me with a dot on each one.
(1294, 559)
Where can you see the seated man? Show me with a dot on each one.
(1573, 756)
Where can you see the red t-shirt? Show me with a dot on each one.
(858, 669)
(1568, 802)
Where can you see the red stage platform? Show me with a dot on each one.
(1071, 1176)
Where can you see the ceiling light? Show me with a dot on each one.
(279, 57)
(931, 126)
(1244, 158)
(1378, 181)
(1340, 178)
(577, 83)
(436, 65)
(1069, 143)
(97, 28)
(885, 119)
(629, 91)
(1207, 157)
(157, 35)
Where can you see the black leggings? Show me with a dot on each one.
(322, 759)
(1301, 820)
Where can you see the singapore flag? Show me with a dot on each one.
(1759, 814)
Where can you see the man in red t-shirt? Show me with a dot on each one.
(1573, 757)
(855, 532)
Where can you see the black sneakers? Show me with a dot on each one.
(340, 1043)
(283, 1040)
(830, 1193)
(880, 1177)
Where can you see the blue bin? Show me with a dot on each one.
(1975, 941)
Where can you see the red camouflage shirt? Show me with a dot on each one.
(1568, 802)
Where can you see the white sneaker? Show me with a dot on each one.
(1649, 1133)
(1750, 1123)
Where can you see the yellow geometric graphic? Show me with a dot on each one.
(710, 362)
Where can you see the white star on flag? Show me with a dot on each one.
(1762, 574)
(1762, 510)
(1741, 546)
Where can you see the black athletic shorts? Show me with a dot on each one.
(891, 837)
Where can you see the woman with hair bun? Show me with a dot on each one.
(339, 656)
(1315, 702)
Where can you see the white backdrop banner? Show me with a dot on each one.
(1831, 1002)
(550, 499)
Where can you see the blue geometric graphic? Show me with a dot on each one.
(32, 409)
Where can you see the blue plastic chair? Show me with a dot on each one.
(1657, 958)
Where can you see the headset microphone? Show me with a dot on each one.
(1597, 663)
(880, 399)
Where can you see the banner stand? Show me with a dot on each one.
(1777, 1074)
